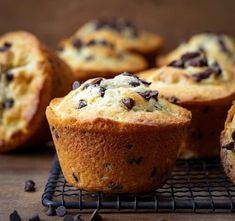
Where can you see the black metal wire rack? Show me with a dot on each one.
(194, 186)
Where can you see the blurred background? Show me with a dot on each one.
(175, 20)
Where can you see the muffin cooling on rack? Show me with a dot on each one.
(107, 132)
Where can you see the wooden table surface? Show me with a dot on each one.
(15, 168)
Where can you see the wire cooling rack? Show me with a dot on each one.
(194, 186)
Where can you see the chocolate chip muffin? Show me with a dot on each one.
(227, 151)
(124, 34)
(30, 76)
(107, 132)
(204, 87)
(95, 58)
(216, 46)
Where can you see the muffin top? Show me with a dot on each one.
(24, 70)
(124, 98)
(219, 47)
(99, 56)
(228, 135)
(123, 33)
(193, 77)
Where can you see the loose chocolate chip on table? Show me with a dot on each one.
(9, 76)
(68, 218)
(51, 211)
(95, 216)
(15, 216)
(147, 95)
(75, 177)
(189, 55)
(176, 64)
(229, 146)
(134, 83)
(102, 91)
(8, 103)
(77, 43)
(35, 217)
(61, 211)
(128, 102)
(82, 103)
(29, 186)
(75, 85)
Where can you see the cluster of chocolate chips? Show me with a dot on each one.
(197, 59)
(118, 25)
(77, 43)
(16, 217)
(5, 47)
(127, 102)
(230, 145)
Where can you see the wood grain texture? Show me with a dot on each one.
(175, 20)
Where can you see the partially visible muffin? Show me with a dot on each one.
(107, 132)
(218, 47)
(227, 152)
(30, 76)
(98, 58)
(204, 86)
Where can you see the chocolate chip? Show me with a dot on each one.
(129, 146)
(77, 43)
(68, 218)
(173, 99)
(134, 83)
(51, 211)
(8, 103)
(97, 81)
(102, 91)
(5, 47)
(89, 57)
(223, 46)
(233, 135)
(202, 75)
(189, 55)
(153, 172)
(82, 103)
(75, 85)
(61, 211)
(29, 186)
(35, 217)
(128, 102)
(15, 216)
(91, 42)
(9, 76)
(202, 62)
(147, 95)
(106, 43)
(75, 177)
(216, 68)
(134, 160)
(176, 64)
(114, 186)
(145, 82)
(95, 216)
(229, 146)
(86, 86)
(57, 135)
